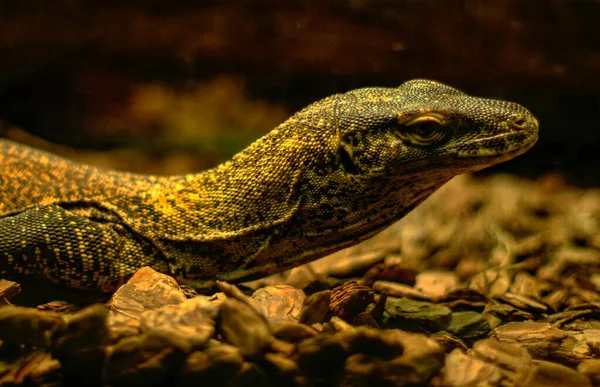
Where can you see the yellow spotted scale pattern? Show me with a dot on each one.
(332, 175)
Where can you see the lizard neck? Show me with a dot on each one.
(353, 214)
(256, 189)
(262, 213)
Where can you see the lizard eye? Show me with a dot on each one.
(424, 132)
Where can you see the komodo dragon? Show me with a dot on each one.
(334, 174)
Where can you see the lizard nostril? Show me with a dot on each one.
(520, 122)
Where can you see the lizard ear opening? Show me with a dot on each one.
(347, 163)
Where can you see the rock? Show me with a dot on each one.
(81, 345)
(192, 321)
(461, 370)
(217, 365)
(591, 369)
(316, 307)
(399, 290)
(293, 332)
(489, 363)
(508, 357)
(321, 359)
(394, 358)
(242, 326)
(146, 290)
(540, 339)
(350, 299)
(547, 374)
(26, 326)
(279, 304)
(283, 371)
(417, 315)
(436, 284)
(497, 313)
(36, 368)
(468, 325)
(145, 360)
(8, 289)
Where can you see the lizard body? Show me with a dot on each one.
(334, 174)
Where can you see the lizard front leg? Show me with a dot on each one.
(73, 250)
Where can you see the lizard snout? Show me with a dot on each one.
(523, 121)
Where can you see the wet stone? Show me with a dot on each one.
(34, 368)
(556, 299)
(146, 290)
(393, 273)
(468, 325)
(507, 356)
(283, 369)
(250, 375)
(316, 307)
(582, 324)
(540, 339)
(530, 246)
(350, 299)
(236, 293)
(144, 360)
(61, 307)
(496, 314)
(336, 324)
(366, 356)
(488, 363)
(279, 304)
(583, 298)
(595, 279)
(566, 257)
(193, 320)
(591, 369)
(394, 358)
(282, 347)
(378, 307)
(293, 332)
(523, 302)
(121, 325)
(242, 326)
(526, 285)
(217, 365)
(461, 370)
(580, 346)
(548, 374)
(282, 363)
(81, 345)
(8, 289)
(365, 319)
(562, 318)
(464, 295)
(449, 342)
(416, 315)
(27, 326)
(492, 283)
(436, 284)
(321, 359)
(399, 290)
(373, 343)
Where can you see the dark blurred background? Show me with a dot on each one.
(172, 87)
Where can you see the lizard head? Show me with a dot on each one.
(425, 125)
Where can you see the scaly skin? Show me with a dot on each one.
(331, 176)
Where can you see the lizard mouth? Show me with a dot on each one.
(481, 153)
(499, 146)
(515, 136)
